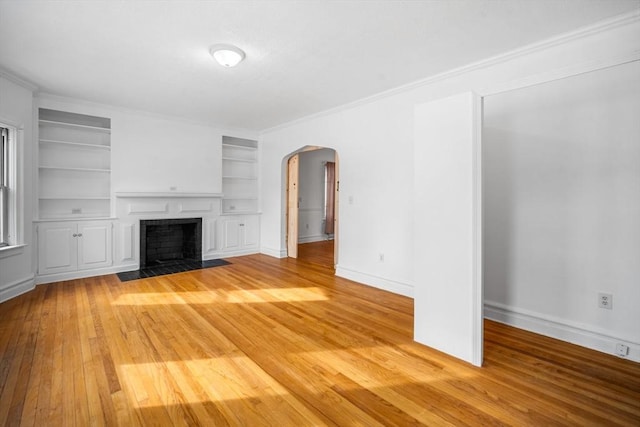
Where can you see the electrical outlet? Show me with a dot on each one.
(605, 301)
(622, 350)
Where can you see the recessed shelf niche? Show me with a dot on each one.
(74, 170)
(239, 175)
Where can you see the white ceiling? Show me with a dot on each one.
(302, 56)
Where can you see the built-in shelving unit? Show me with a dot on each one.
(74, 171)
(239, 175)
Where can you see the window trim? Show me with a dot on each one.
(5, 168)
(16, 188)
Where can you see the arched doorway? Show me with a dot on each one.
(311, 209)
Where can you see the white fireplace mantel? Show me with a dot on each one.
(133, 206)
(165, 195)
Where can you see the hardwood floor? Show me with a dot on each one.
(266, 341)
(317, 253)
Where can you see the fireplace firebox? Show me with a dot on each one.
(164, 241)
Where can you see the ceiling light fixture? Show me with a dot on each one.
(227, 55)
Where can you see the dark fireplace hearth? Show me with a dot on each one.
(166, 241)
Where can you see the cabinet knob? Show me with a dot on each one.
(75, 235)
(79, 234)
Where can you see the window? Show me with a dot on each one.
(6, 182)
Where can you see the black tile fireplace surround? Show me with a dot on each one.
(169, 246)
(166, 241)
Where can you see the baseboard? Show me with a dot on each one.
(375, 281)
(239, 252)
(276, 253)
(559, 329)
(212, 255)
(81, 274)
(311, 239)
(19, 287)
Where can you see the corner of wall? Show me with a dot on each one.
(388, 285)
(18, 287)
(276, 253)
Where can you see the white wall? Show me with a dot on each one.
(16, 108)
(374, 141)
(311, 194)
(562, 203)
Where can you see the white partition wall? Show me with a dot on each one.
(447, 225)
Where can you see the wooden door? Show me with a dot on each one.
(336, 209)
(292, 206)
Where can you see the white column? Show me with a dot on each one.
(448, 225)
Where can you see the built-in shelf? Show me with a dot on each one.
(75, 165)
(72, 217)
(241, 147)
(75, 198)
(68, 218)
(238, 159)
(76, 169)
(74, 126)
(75, 144)
(239, 211)
(241, 198)
(239, 175)
(165, 195)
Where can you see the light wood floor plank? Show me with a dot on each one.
(28, 341)
(266, 342)
(34, 400)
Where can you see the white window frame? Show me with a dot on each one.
(13, 239)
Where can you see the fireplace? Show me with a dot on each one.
(166, 241)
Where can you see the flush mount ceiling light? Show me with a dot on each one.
(227, 55)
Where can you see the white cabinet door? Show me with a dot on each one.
(72, 246)
(94, 245)
(231, 234)
(240, 234)
(57, 247)
(250, 231)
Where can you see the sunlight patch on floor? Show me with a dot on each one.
(149, 384)
(223, 296)
(169, 298)
(349, 362)
(277, 295)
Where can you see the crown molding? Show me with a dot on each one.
(561, 73)
(599, 27)
(18, 80)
